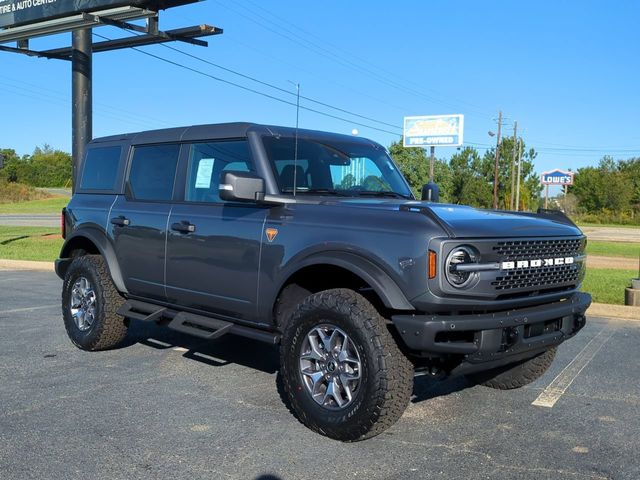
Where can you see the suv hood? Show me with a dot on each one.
(467, 222)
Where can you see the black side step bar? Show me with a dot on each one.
(145, 312)
(193, 324)
(199, 326)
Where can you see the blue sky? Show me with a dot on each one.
(567, 71)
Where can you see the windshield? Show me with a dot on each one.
(330, 167)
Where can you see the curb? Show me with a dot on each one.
(618, 312)
(26, 265)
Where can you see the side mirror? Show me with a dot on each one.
(241, 187)
(431, 192)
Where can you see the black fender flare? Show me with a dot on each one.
(102, 243)
(381, 282)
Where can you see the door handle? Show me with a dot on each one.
(183, 227)
(120, 221)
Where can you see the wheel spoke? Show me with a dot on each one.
(325, 339)
(316, 352)
(333, 391)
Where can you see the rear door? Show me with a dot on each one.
(213, 246)
(138, 219)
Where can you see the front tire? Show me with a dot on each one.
(515, 376)
(89, 305)
(342, 371)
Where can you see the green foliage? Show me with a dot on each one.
(44, 168)
(609, 192)
(414, 165)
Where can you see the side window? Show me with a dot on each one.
(207, 161)
(101, 168)
(153, 170)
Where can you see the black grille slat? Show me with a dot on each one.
(531, 249)
(538, 277)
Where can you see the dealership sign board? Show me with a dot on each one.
(22, 12)
(557, 177)
(433, 131)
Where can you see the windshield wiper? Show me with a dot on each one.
(389, 194)
(319, 191)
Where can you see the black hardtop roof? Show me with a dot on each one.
(219, 131)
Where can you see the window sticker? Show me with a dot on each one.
(205, 171)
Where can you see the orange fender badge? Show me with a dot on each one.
(271, 233)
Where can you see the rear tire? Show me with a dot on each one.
(89, 305)
(515, 376)
(355, 356)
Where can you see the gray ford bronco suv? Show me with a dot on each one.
(313, 241)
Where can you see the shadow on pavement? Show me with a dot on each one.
(229, 349)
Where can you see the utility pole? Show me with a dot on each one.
(513, 165)
(519, 174)
(496, 173)
(432, 161)
(82, 98)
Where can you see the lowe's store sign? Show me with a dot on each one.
(557, 177)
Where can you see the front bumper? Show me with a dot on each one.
(496, 338)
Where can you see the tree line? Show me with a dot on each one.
(468, 177)
(45, 167)
(607, 193)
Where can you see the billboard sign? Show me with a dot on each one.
(557, 177)
(23, 12)
(433, 131)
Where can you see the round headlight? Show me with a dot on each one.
(460, 256)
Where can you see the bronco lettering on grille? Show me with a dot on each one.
(541, 262)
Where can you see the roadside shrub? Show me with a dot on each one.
(17, 192)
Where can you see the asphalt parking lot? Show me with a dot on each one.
(166, 406)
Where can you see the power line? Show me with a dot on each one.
(275, 87)
(319, 50)
(248, 89)
(338, 48)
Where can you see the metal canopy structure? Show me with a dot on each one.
(80, 53)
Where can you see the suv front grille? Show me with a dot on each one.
(528, 249)
(539, 278)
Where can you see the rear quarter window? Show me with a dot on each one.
(101, 168)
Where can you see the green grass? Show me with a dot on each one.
(47, 205)
(613, 249)
(30, 243)
(607, 285)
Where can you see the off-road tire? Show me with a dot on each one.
(386, 373)
(515, 376)
(108, 328)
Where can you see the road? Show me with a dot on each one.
(612, 234)
(31, 220)
(166, 406)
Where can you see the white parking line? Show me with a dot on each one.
(565, 378)
(29, 309)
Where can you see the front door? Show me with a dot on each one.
(213, 247)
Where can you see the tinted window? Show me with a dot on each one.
(101, 168)
(153, 171)
(207, 161)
